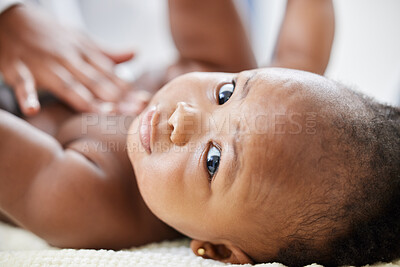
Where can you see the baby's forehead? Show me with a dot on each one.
(277, 82)
(278, 119)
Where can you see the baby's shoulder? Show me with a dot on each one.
(102, 140)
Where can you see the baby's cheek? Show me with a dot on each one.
(161, 192)
(149, 188)
(160, 175)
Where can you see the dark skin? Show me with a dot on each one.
(75, 187)
(209, 37)
(267, 174)
(37, 52)
(304, 42)
(97, 189)
(94, 200)
(306, 36)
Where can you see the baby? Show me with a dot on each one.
(261, 166)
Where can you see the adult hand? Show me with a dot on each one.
(36, 51)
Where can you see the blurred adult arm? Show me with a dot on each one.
(37, 52)
(209, 36)
(306, 36)
(210, 33)
(6, 4)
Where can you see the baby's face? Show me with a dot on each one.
(213, 152)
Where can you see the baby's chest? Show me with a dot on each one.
(106, 133)
(101, 139)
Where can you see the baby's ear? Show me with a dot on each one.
(221, 252)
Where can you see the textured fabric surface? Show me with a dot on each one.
(21, 248)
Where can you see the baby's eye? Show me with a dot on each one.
(225, 92)
(213, 157)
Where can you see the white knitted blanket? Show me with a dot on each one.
(21, 248)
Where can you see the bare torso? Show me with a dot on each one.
(108, 212)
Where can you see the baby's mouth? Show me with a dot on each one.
(146, 129)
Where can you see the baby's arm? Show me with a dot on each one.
(306, 36)
(60, 194)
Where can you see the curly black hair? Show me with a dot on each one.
(369, 145)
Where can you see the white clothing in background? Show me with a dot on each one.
(5, 4)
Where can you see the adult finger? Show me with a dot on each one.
(105, 66)
(135, 102)
(92, 79)
(119, 57)
(19, 77)
(60, 82)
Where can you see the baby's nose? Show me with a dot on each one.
(183, 123)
